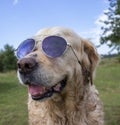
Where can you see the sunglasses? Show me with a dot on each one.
(52, 46)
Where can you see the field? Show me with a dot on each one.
(108, 83)
(13, 101)
(13, 96)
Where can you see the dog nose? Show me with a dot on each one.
(26, 65)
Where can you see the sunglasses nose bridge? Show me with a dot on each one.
(26, 65)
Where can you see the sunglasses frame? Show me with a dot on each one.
(67, 44)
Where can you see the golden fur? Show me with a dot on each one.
(78, 103)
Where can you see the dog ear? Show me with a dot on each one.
(90, 60)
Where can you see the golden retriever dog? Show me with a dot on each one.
(58, 67)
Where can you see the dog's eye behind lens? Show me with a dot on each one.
(25, 48)
(54, 46)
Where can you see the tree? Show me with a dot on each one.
(7, 59)
(1, 61)
(111, 29)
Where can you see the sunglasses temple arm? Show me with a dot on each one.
(75, 54)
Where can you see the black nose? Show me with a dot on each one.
(26, 65)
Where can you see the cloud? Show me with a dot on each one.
(94, 33)
(102, 17)
(106, 1)
(15, 2)
(94, 36)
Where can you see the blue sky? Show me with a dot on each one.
(21, 19)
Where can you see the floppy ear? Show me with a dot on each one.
(90, 60)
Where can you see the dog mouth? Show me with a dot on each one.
(39, 92)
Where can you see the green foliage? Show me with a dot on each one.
(111, 30)
(7, 59)
(118, 58)
(1, 61)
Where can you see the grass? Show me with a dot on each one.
(13, 96)
(13, 101)
(108, 83)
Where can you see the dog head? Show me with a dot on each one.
(47, 75)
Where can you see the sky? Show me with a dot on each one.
(21, 19)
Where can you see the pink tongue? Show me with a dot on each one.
(35, 90)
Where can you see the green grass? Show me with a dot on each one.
(13, 96)
(13, 101)
(108, 83)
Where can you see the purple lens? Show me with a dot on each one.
(54, 46)
(25, 48)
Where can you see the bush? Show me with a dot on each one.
(118, 58)
(7, 59)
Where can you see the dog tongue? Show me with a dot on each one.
(36, 90)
